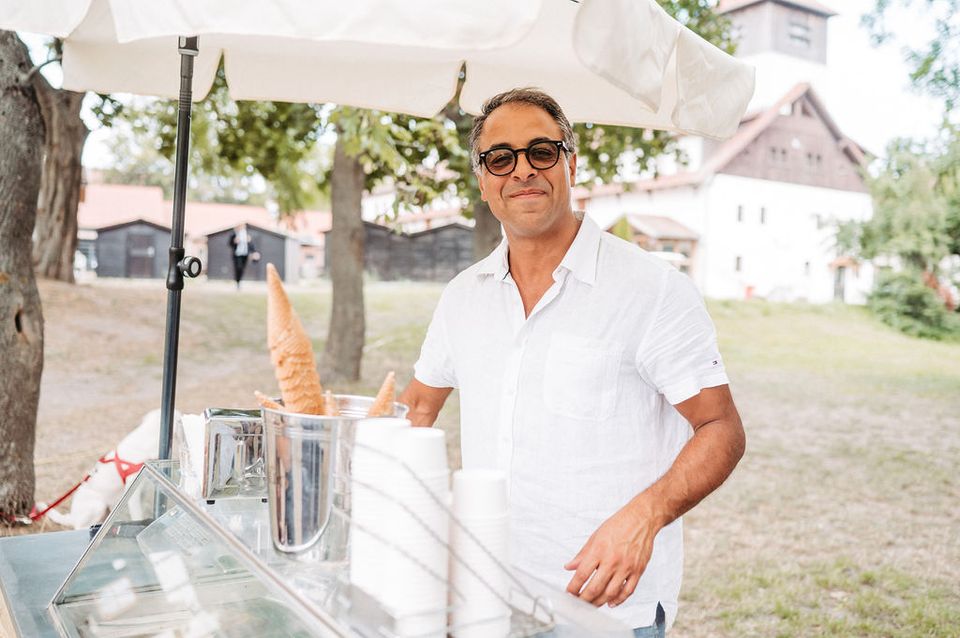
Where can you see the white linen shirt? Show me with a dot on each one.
(574, 401)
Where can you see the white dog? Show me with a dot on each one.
(108, 480)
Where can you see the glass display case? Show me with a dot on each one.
(165, 564)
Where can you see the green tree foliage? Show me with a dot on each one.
(411, 153)
(138, 160)
(935, 65)
(238, 149)
(623, 230)
(902, 300)
(916, 191)
(910, 209)
(916, 228)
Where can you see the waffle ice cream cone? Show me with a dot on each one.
(266, 402)
(291, 352)
(383, 404)
(330, 406)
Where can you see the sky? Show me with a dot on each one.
(869, 94)
(868, 91)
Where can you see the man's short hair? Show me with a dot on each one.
(531, 96)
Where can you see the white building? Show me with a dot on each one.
(755, 215)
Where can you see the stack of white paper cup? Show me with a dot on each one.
(413, 584)
(370, 466)
(480, 540)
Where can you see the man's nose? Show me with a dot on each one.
(524, 170)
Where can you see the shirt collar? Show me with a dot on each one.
(581, 257)
(496, 262)
(580, 260)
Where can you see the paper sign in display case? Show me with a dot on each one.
(166, 564)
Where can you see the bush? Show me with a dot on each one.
(901, 300)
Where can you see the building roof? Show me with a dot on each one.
(110, 204)
(311, 223)
(726, 6)
(432, 218)
(281, 233)
(106, 205)
(660, 227)
(205, 219)
(749, 130)
(135, 222)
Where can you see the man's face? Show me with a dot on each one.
(528, 202)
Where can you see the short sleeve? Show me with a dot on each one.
(435, 365)
(679, 354)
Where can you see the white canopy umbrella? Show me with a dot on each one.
(622, 62)
(606, 61)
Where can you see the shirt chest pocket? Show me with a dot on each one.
(581, 377)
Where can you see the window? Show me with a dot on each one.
(806, 268)
(774, 154)
(738, 264)
(763, 215)
(740, 213)
(667, 248)
(783, 154)
(798, 30)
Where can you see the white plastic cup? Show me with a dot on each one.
(370, 469)
(423, 450)
(479, 493)
(415, 577)
(482, 543)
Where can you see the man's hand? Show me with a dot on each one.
(613, 558)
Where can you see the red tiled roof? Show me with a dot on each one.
(312, 223)
(201, 219)
(111, 204)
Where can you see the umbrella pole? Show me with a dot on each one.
(178, 265)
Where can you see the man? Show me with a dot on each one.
(582, 363)
(242, 245)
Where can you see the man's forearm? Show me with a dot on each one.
(424, 402)
(701, 467)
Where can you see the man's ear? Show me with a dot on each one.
(573, 168)
(483, 195)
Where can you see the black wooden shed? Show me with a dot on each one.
(276, 248)
(436, 254)
(133, 249)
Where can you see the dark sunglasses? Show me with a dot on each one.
(541, 155)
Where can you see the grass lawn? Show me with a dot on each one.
(843, 519)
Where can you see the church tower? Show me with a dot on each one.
(786, 40)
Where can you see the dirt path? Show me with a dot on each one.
(842, 519)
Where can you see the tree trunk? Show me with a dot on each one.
(486, 232)
(55, 240)
(21, 319)
(345, 248)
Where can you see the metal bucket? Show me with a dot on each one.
(308, 477)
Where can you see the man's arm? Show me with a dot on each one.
(424, 401)
(617, 553)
